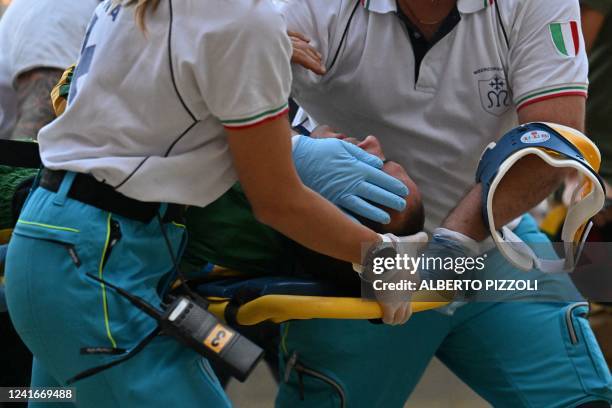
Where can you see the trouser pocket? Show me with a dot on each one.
(310, 380)
(584, 351)
(41, 261)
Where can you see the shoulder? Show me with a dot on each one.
(30, 18)
(229, 16)
(520, 10)
(317, 6)
(296, 10)
(38, 14)
(56, 27)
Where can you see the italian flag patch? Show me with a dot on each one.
(566, 38)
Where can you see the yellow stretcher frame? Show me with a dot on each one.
(282, 308)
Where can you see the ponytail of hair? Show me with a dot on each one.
(142, 6)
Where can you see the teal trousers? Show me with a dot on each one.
(516, 353)
(62, 314)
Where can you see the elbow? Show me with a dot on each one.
(273, 214)
(278, 214)
(265, 214)
(278, 208)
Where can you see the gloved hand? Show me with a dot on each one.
(389, 285)
(453, 248)
(346, 175)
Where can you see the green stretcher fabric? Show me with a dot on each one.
(226, 233)
(10, 179)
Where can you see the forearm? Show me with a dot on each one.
(308, 218)
(518, 192)
(528, 182)
(34, 101)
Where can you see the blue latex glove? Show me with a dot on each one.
(347, 175)
(446, 244)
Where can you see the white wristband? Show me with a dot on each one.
(294, 140)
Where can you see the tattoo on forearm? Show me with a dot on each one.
(34, 101)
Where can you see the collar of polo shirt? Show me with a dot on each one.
(390, 6)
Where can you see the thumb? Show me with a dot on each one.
(419, 237)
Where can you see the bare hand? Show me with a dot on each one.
(304, 54)
(327, 132)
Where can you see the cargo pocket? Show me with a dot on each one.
(311, 379)
(39, 259)
(583, 349)
(65, 237)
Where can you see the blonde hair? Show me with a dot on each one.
(142, 6)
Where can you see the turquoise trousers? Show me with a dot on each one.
(514, 353)
(71, 322)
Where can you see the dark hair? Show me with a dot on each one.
(414, 224)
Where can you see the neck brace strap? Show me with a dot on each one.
(558, 146)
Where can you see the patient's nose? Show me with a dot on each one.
(371, 145)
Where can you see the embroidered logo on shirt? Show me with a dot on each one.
(566, 38)
(494, 95)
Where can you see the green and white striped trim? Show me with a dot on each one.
(551, 92)
(255, 119)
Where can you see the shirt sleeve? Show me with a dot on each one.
(243, 67)
(48, 35)
(317, 20)
(603, 6)
(547, 56)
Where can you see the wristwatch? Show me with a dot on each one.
(368, 270)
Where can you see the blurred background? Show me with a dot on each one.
(260, 389)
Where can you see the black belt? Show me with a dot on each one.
(16, 153)
(88, 190)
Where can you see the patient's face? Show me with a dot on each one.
(400, 221)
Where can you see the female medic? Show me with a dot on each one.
(171, 103)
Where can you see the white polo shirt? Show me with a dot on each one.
(146, 114)
(33, 34)
(469, 88)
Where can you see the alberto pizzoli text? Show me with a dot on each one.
(458, 285)
(458, 265)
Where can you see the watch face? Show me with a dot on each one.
(374, 261)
